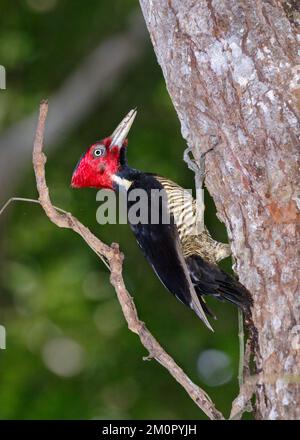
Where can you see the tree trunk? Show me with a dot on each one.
(231, 71)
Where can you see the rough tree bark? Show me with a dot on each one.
(232, 71)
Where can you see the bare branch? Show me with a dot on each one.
(247, 383)
(115, 260)
(25, 199)
(241, 347)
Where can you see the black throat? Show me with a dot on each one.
(125, 171)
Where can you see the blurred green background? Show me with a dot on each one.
(69, 353)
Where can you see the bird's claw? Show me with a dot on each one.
(191, 163)
(198, 167)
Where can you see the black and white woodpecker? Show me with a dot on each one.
(185, 261)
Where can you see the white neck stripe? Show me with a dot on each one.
(121, 181)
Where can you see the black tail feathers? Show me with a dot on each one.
(233, 291)
(209, 279)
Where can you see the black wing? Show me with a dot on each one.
(161, 246)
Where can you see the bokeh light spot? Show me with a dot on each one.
(42, 5)
(214, 367)
(63, 356)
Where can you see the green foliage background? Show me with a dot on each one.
(52, 286)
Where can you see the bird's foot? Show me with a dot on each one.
(222, 250)
(197, 166)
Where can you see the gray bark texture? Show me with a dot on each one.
(232, 72)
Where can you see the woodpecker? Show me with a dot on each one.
(185, 263)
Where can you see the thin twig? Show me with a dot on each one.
(247, 383)
(115, 259)
(241, 348)
(16, 199)
(25, 199)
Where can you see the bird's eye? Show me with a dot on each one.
(99, 151)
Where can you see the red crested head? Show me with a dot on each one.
(97, 166)
(101, 162)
